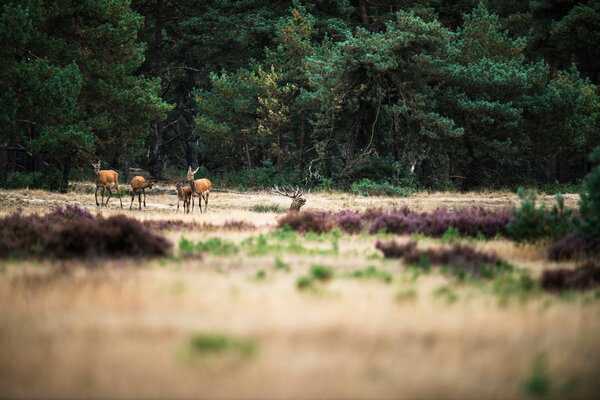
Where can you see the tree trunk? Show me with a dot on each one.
(302, 133)
(278, 151)
(191, 156)
(551, 168)
(363, 13)
(66, 172)
(247, 151)
(156, 155)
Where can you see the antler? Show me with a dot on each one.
(288, 191)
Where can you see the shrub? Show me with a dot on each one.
(586, 276)
(115, 236)
(235, 225)
(532, 223)
(50, 178)
(268, 208)
(306, 221)
(393, 249)
(348, 221)
(366, 187)
(74, 232)
(573, 246)
(216, 343)
(475, 222)
(370, 272)
(321, 272)
(589, 205)
(462, 259)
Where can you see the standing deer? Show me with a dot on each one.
(105, 179)
(138, 186)
(184, 193)
(200, 188)
(294, 194)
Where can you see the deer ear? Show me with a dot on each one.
(190, 168)
(196, 169)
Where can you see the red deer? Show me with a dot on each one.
(105, 179)
(294, 194)
(200, 188)
(184, 193)
(138, 186)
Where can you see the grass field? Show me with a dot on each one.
(238, 321)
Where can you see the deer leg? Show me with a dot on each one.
(109, 195)
(102, 200)
(206, 202)
(144, 190)
(178, 204)
(96, 196)
(119, 193)
(132, 197)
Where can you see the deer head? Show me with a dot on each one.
(294, 194)
(190, 174)
(97, 167)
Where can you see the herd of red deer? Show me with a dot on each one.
(200, 188)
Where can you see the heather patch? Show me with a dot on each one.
(470, 222)
(460, 259)
(573, 246)
(306, 221)
(74, 232)
(586, 276)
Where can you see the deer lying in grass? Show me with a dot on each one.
(105, 179)
(138, 186)
(294, 194)
(200, 188)
(184, 193)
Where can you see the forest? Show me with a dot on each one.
(432, 94)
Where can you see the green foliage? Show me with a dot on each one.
(538, 383)
(318, 274)
(268, 208)
(521, 287)
(452, 234)
(280, 265)
(206, 344)
(371, 272)
(589, 205)
(321, 273)
(213, 245)
(533, 224)
(366, 187)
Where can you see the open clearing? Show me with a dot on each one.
(237, 326)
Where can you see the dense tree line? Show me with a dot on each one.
(433, 93)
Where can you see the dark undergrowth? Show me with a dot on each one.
(461, 259)
(584, 277)
(74, 232)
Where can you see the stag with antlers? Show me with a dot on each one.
(294, 194)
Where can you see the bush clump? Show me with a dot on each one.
(461, 258)
(307, 221)
(367, 187)
(531, 223)
(573, 246)
(349, 222)
(586, 276)
(474, 221)
(74, 232)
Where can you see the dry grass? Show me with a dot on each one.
(121, 331)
